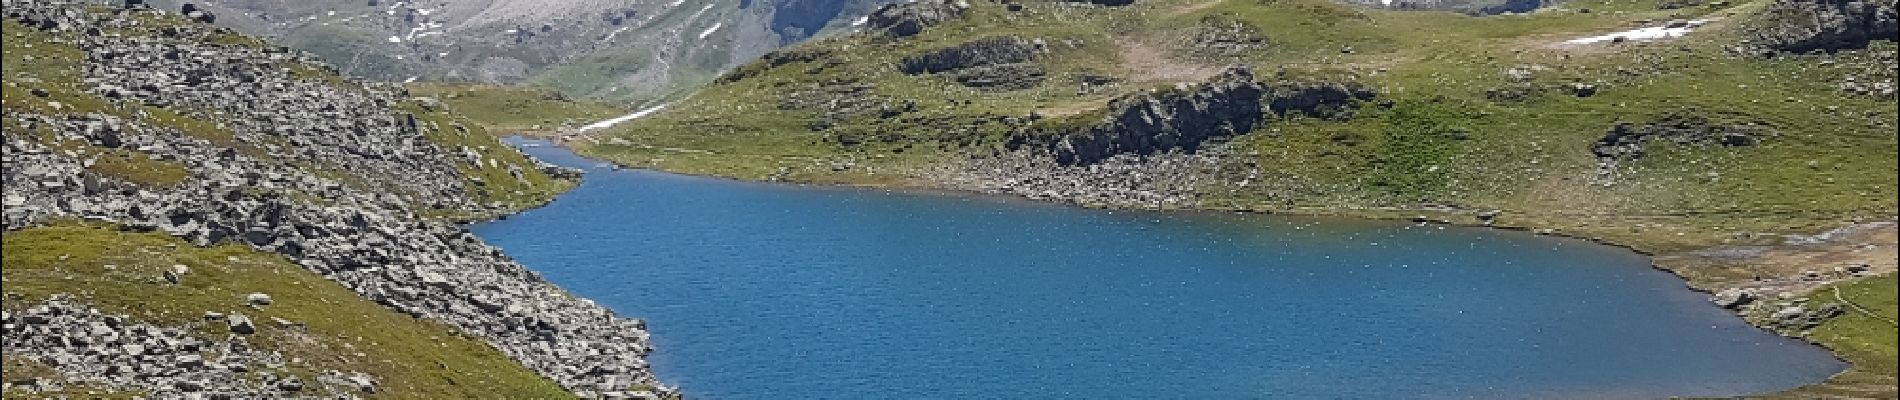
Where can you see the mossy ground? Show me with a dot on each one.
(121, 273)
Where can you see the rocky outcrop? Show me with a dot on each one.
(1181, 119)
(988, 51)
(1328, 100)
(910, 18)
(1625, 141)
(299, 162)
(1800, 26)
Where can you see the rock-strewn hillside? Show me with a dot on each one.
(153, 123)
(634, 50)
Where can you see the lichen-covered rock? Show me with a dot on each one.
(1800, 26)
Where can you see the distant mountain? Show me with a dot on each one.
(628, 50)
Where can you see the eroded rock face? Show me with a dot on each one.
(268, 179)
(1800, 26)
(975, 53)
(1226, 105)
(910, 18)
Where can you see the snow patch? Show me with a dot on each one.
(610, 122)
(861, 21)
(616, 32)
(1672, 30)
(709, 31)
(394, 39)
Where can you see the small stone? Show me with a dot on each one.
(188, 361)
(241, 324)
(258, 299)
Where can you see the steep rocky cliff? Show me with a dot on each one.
(153, 123)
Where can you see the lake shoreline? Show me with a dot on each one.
(1445, 216)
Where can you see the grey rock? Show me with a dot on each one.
(1732, 298)
(1801, 26)
(257, 299)
(241, 324)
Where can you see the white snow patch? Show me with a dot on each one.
(411, 79)
(709, 31)
(394, 39)
(861, 21)
(675, 3)
(616, 32)
(610, 122)
(1672, 30)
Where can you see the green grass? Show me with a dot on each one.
(410, 358)
(1443, 144)
(515, 108)
(1864, 340)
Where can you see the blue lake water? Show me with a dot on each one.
(764, 291)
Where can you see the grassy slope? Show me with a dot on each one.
(1442, 145)
(1530, 157)
(1865, 340)
(515, 108)
(411, 358)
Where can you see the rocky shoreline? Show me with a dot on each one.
(328, 172)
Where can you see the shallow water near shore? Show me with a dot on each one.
(757, 291)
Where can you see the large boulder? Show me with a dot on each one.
(1801, 26)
